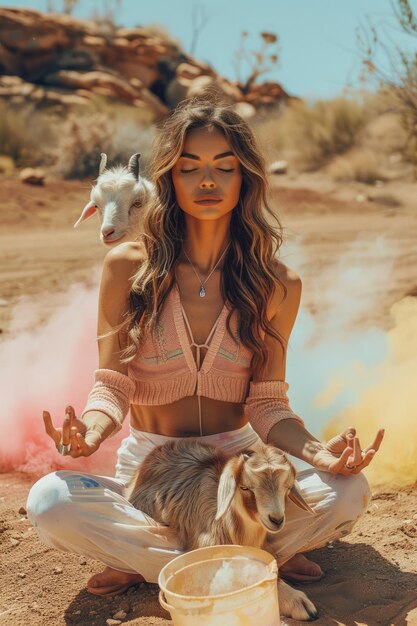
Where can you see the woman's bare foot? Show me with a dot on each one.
(112, 580)
(301, 569)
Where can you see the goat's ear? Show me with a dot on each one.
(227, 486)
(133, 166)
(296, 496)
(103, 163)
(88, 211)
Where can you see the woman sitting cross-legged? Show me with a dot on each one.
(194, 322)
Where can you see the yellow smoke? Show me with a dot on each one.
(387, 399)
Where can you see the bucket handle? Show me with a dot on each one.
(203, 608)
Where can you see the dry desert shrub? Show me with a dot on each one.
(268, 128)
(68, 140)
(392, 64)
(309, 135)
(84, 137)
(360, 165)
(362, 139)
(385, 134)
(119, 111)
(22, 135)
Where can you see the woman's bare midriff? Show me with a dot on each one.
(180, 419)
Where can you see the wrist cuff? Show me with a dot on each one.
(267, 404)
(111, 394)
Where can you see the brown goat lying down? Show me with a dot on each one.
(211, 498)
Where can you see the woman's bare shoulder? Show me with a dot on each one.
(124, 259)
(120, 265)
(291, 281)
(285, 273)
(128, 252)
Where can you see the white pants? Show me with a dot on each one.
(86, 514)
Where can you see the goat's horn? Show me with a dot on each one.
(103, 163)
(133, 166)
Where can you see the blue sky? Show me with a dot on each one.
(319, 54)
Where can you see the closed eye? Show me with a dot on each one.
(195, 169)
(243, 488)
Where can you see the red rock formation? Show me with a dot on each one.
(59, 58)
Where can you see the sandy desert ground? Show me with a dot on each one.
(371, 575)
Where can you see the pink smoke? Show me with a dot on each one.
(49, 367)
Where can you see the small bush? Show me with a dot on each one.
(22, 136)
(83, 138)
(310, 135)
(69, 138)
(359, 165)
(323, 130)
(385, 135)
(269, 131)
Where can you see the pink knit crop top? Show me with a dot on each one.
(164, 369)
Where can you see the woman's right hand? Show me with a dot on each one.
(83, 442)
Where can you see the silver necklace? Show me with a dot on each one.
(202, 291)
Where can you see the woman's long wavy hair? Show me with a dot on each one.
(249, 273)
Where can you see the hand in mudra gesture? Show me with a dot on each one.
(343, 454)
(74, 432)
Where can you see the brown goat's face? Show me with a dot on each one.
(258, 482)
(266, 479)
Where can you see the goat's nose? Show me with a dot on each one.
(106, 231)
(276, 521)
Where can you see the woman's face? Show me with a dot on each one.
(207, 168)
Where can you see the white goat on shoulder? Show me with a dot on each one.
(211, 498)
(119, 197)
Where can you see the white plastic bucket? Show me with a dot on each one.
(221, 585)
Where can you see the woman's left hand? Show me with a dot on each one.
(343, 454)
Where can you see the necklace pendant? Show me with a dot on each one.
(202, 291)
